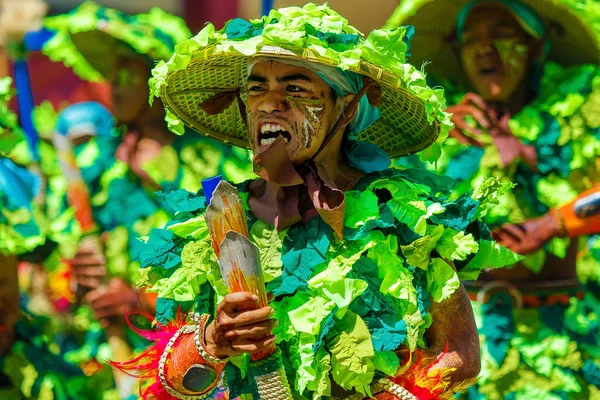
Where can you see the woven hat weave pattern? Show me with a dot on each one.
(215, 63)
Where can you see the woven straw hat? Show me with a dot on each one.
(89, 35)
(215, 63)
(573, 40)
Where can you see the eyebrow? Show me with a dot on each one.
(281, 79)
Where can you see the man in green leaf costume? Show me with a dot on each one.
(531, 119)
(122, 171)
(364, 262)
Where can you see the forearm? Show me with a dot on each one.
(453, 336)
(581, 216)
(9, 302)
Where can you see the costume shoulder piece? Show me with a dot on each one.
(343, 306)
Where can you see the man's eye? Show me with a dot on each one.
(469, 40)
(255, 88)
(295, 89)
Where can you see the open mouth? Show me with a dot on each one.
(485, 71)
(269, 132)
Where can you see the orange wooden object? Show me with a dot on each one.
(183, 355)
(576, 226)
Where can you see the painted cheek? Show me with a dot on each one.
(513, 54)
(314, 113)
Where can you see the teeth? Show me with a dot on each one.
(286, 139)
(266, 142)
(269, 127)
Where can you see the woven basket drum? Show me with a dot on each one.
(402, 129)
(572, 40)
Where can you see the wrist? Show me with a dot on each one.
(556, 225)
(209, 343)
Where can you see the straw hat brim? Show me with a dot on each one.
(98, 48)
(403, 128)
(572, 40)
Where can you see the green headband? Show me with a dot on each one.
(528, 19)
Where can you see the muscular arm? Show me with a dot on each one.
(454, 324)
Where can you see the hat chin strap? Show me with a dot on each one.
(350, 109)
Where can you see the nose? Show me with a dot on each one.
(273, 102)
(486, 47)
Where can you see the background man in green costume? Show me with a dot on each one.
(532, 119)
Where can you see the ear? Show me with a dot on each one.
(537, 49)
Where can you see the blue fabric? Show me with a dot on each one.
(19, 185)
(89, 113)
(362, 155)
(527, 17)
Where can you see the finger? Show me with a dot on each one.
(479, 116)
(89, 283)
(515, 230)
(507, 239)
(475, 99)
(232, 301)
(464, 126)
(110, 312)
(259, 330)
(249, 346)
(95, 294)
(88, 260)
(104, 301)
(91, 272)
(252, 317)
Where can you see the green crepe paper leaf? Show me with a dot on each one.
(442, 280)
(406, 203)
(164, 167)
(383, 46)
(559, 246)
(555, 191)
(488, 193)
(397, 279)
(60, 48)
(200, 260)
(417, 253)
(338, 268)
(386, 362)
(44, 119)
(343, 292)
(116, 252)
(305, 370)
(174, 124)
(535, 261)
(528, 124)
(352, 354)
(269, 242)
(360, 208)
(284, 330)
(321, 385)
(183, 201)
(456, 245)
(307, 312)
(194, 228)
(398, 282)
(568, 106)
(490, 255)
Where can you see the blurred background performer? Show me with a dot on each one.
(531, 117)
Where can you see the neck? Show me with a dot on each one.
(339, 171)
